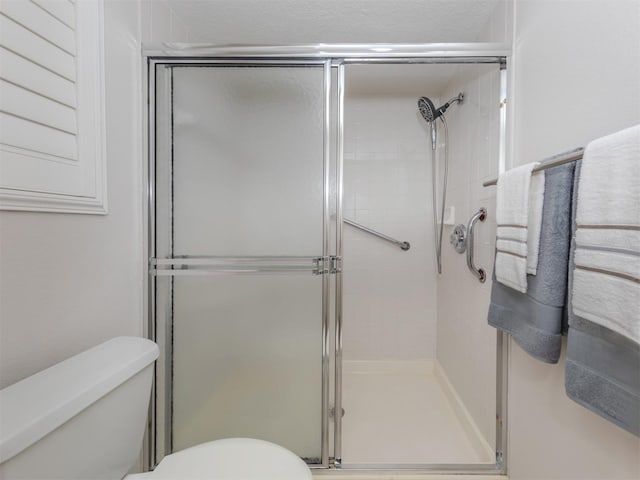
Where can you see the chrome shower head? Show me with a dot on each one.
(427, 109)
(429, 113)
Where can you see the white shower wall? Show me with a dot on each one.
(395, 305)
(466, 345)
(389, 294)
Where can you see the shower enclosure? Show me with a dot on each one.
(277, 316)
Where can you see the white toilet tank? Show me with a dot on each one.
(83, 418)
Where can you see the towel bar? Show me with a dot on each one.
(569, 157)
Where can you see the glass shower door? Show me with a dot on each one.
(240, 240)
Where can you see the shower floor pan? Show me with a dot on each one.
(406, 413)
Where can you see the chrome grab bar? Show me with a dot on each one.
(478, 272)
(403, 245)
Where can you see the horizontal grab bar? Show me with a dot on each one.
(403, 245)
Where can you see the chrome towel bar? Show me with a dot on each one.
(403, 245)
(561, 160)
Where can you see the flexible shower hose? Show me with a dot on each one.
(438, 232)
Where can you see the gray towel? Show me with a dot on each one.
(603, 367)
(535, 319)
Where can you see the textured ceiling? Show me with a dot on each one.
(334, 21)
(281, 22)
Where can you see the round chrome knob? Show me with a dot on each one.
(458, 238)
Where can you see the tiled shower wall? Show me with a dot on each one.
(395, 305)
(466, 345)
(389, 294)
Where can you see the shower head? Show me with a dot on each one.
(427, 109)
(429, 112)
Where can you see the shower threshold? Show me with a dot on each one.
(407, 413)
(332, 475)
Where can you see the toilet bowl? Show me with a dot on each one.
(230, 459)
(85, 418)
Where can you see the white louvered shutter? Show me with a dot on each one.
(50, 93)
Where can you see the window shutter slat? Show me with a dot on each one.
(23, 42)
(36, 108)
(27, 135)
(21, 71)
(42, 23)
(61, 9)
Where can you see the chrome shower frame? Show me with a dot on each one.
(333, 58)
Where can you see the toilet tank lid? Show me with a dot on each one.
(37, 405)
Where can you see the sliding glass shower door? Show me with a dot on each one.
(241, 229)
(246, 246)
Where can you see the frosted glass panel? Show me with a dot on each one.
(248, 160)
(246, 179)
(248, 360)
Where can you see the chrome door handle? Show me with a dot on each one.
(478, 272)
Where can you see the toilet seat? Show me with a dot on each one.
(230, 459)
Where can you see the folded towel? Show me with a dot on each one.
(513, 218)
(603, 346)
(536, 199)
(535, 319)
(606, 282)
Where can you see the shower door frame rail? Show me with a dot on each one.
(333, 58)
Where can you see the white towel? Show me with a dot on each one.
(516, 214)
(606, 287)
(536, 200)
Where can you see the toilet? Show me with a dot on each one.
(85, 418)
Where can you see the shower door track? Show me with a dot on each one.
(334, 58)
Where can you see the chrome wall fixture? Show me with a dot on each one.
(334, 59)
(462, 239)
(458, 238)
(478, 272)
(403, 245)
(561, 160)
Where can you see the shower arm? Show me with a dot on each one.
(443, 108)
(458, 98)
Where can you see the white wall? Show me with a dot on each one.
(389, 294)
(466, 343)
(160, 23)
(576, 77)
(576, 73)
(68, 282)
(71, 281)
